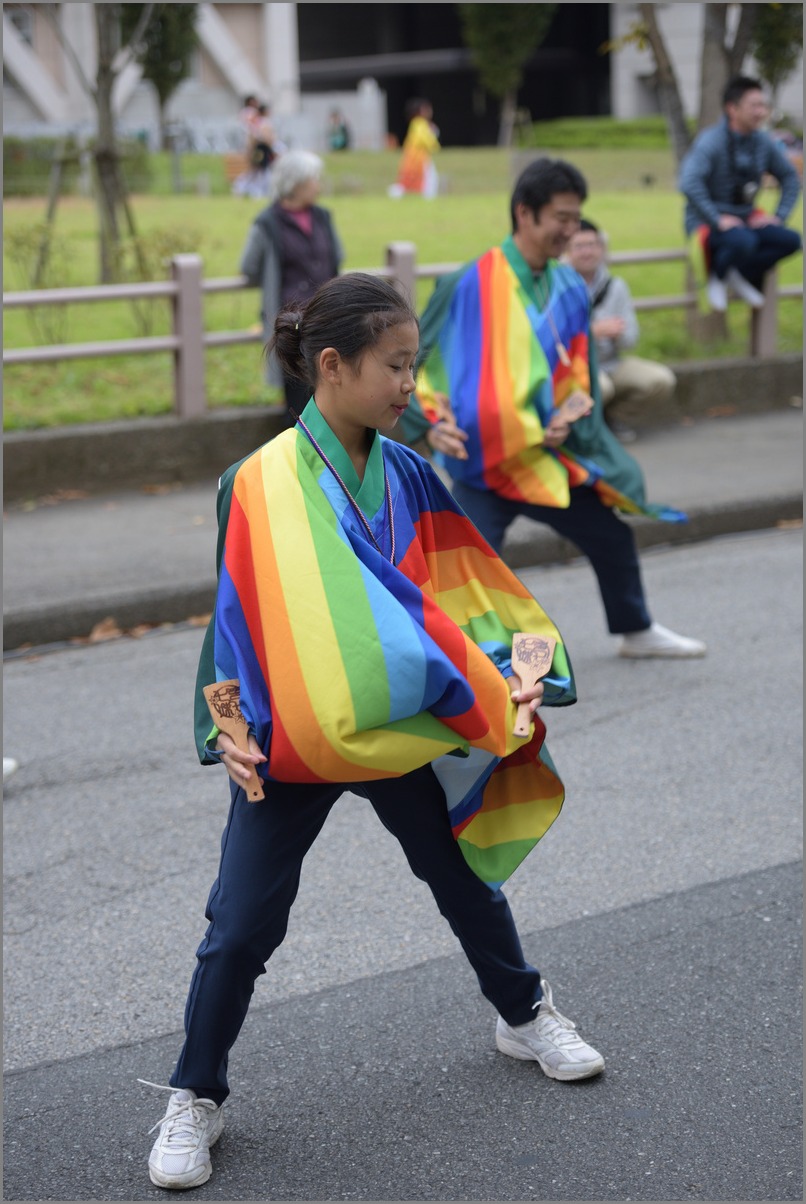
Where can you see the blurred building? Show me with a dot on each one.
(365, 59)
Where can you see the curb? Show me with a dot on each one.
(51, 623)
(151, 451)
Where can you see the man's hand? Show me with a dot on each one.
(608, 328)
(757, 220)
(729, 221)
(446, 437)
(556, 432)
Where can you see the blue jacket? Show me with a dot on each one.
(709, 172)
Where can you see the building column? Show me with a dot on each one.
(281, 57)
(78, 26)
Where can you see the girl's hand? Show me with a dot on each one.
(235, 761)
(534, 695)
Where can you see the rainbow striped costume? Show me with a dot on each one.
(352, 668)
(491, 350)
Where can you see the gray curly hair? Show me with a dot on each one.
(293, 168)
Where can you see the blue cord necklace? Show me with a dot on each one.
(360, 513)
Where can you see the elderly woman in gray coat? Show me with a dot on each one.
(292, 249)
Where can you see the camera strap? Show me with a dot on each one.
(745, 175)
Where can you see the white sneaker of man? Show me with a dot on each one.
(551, 1040)
(744, 289)
(180, 1157)
(10, 767)
(717, 293)
(659, 641)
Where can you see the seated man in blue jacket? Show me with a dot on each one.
(720, 177)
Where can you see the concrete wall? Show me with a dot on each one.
(163, 450)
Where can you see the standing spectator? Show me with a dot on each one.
(626, 379)
(417, 173)
(291, 249)
(504, 342)
(720, 178)
(338, 131)
(247, 116)
(262, 153)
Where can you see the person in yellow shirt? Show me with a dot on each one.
(417, 173)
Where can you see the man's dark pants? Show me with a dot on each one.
(593, 527)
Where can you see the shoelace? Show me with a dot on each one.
(183, 1120)
(547, 1008)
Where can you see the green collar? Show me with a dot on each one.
(369, 493)
(524, 273)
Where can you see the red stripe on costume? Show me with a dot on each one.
(238, 559)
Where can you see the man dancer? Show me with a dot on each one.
(504, 342)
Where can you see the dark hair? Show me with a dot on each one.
(737, 86)
(349, 312)
(414, 107)
(542, 180)
(586, 224)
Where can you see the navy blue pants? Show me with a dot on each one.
(262, 850)
(593, 527)
(751, 252)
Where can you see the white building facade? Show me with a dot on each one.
(253, 48)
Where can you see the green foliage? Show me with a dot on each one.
(778, 41)
(148, 257)
(569, 133)
(27, 164)
(501, 39)
(165, 51)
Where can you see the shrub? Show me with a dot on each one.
(602, 133)
(27, 164)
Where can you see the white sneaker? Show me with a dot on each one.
(10, 766)
(717, 292)
(180, 1157)
(744, 289)
(659, 641)
(550, 1040)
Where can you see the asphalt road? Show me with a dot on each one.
(664, 906)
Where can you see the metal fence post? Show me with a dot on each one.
(401, 259)
(190, 400)
(764, 322)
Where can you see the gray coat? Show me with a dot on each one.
(611, 298)
(261, 264)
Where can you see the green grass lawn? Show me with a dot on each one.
(468, 217)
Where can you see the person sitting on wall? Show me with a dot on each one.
(720, 177)
(623, 379)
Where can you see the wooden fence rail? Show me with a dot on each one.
(188, 340)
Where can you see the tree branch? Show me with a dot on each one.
(127, 52)
(744, 36)
(49, 12)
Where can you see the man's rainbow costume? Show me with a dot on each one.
(506, 363)
(353, 668)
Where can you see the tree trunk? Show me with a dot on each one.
(721, 58)
(713, 64)
(507, 122)
(666, 81)
(106, 17)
